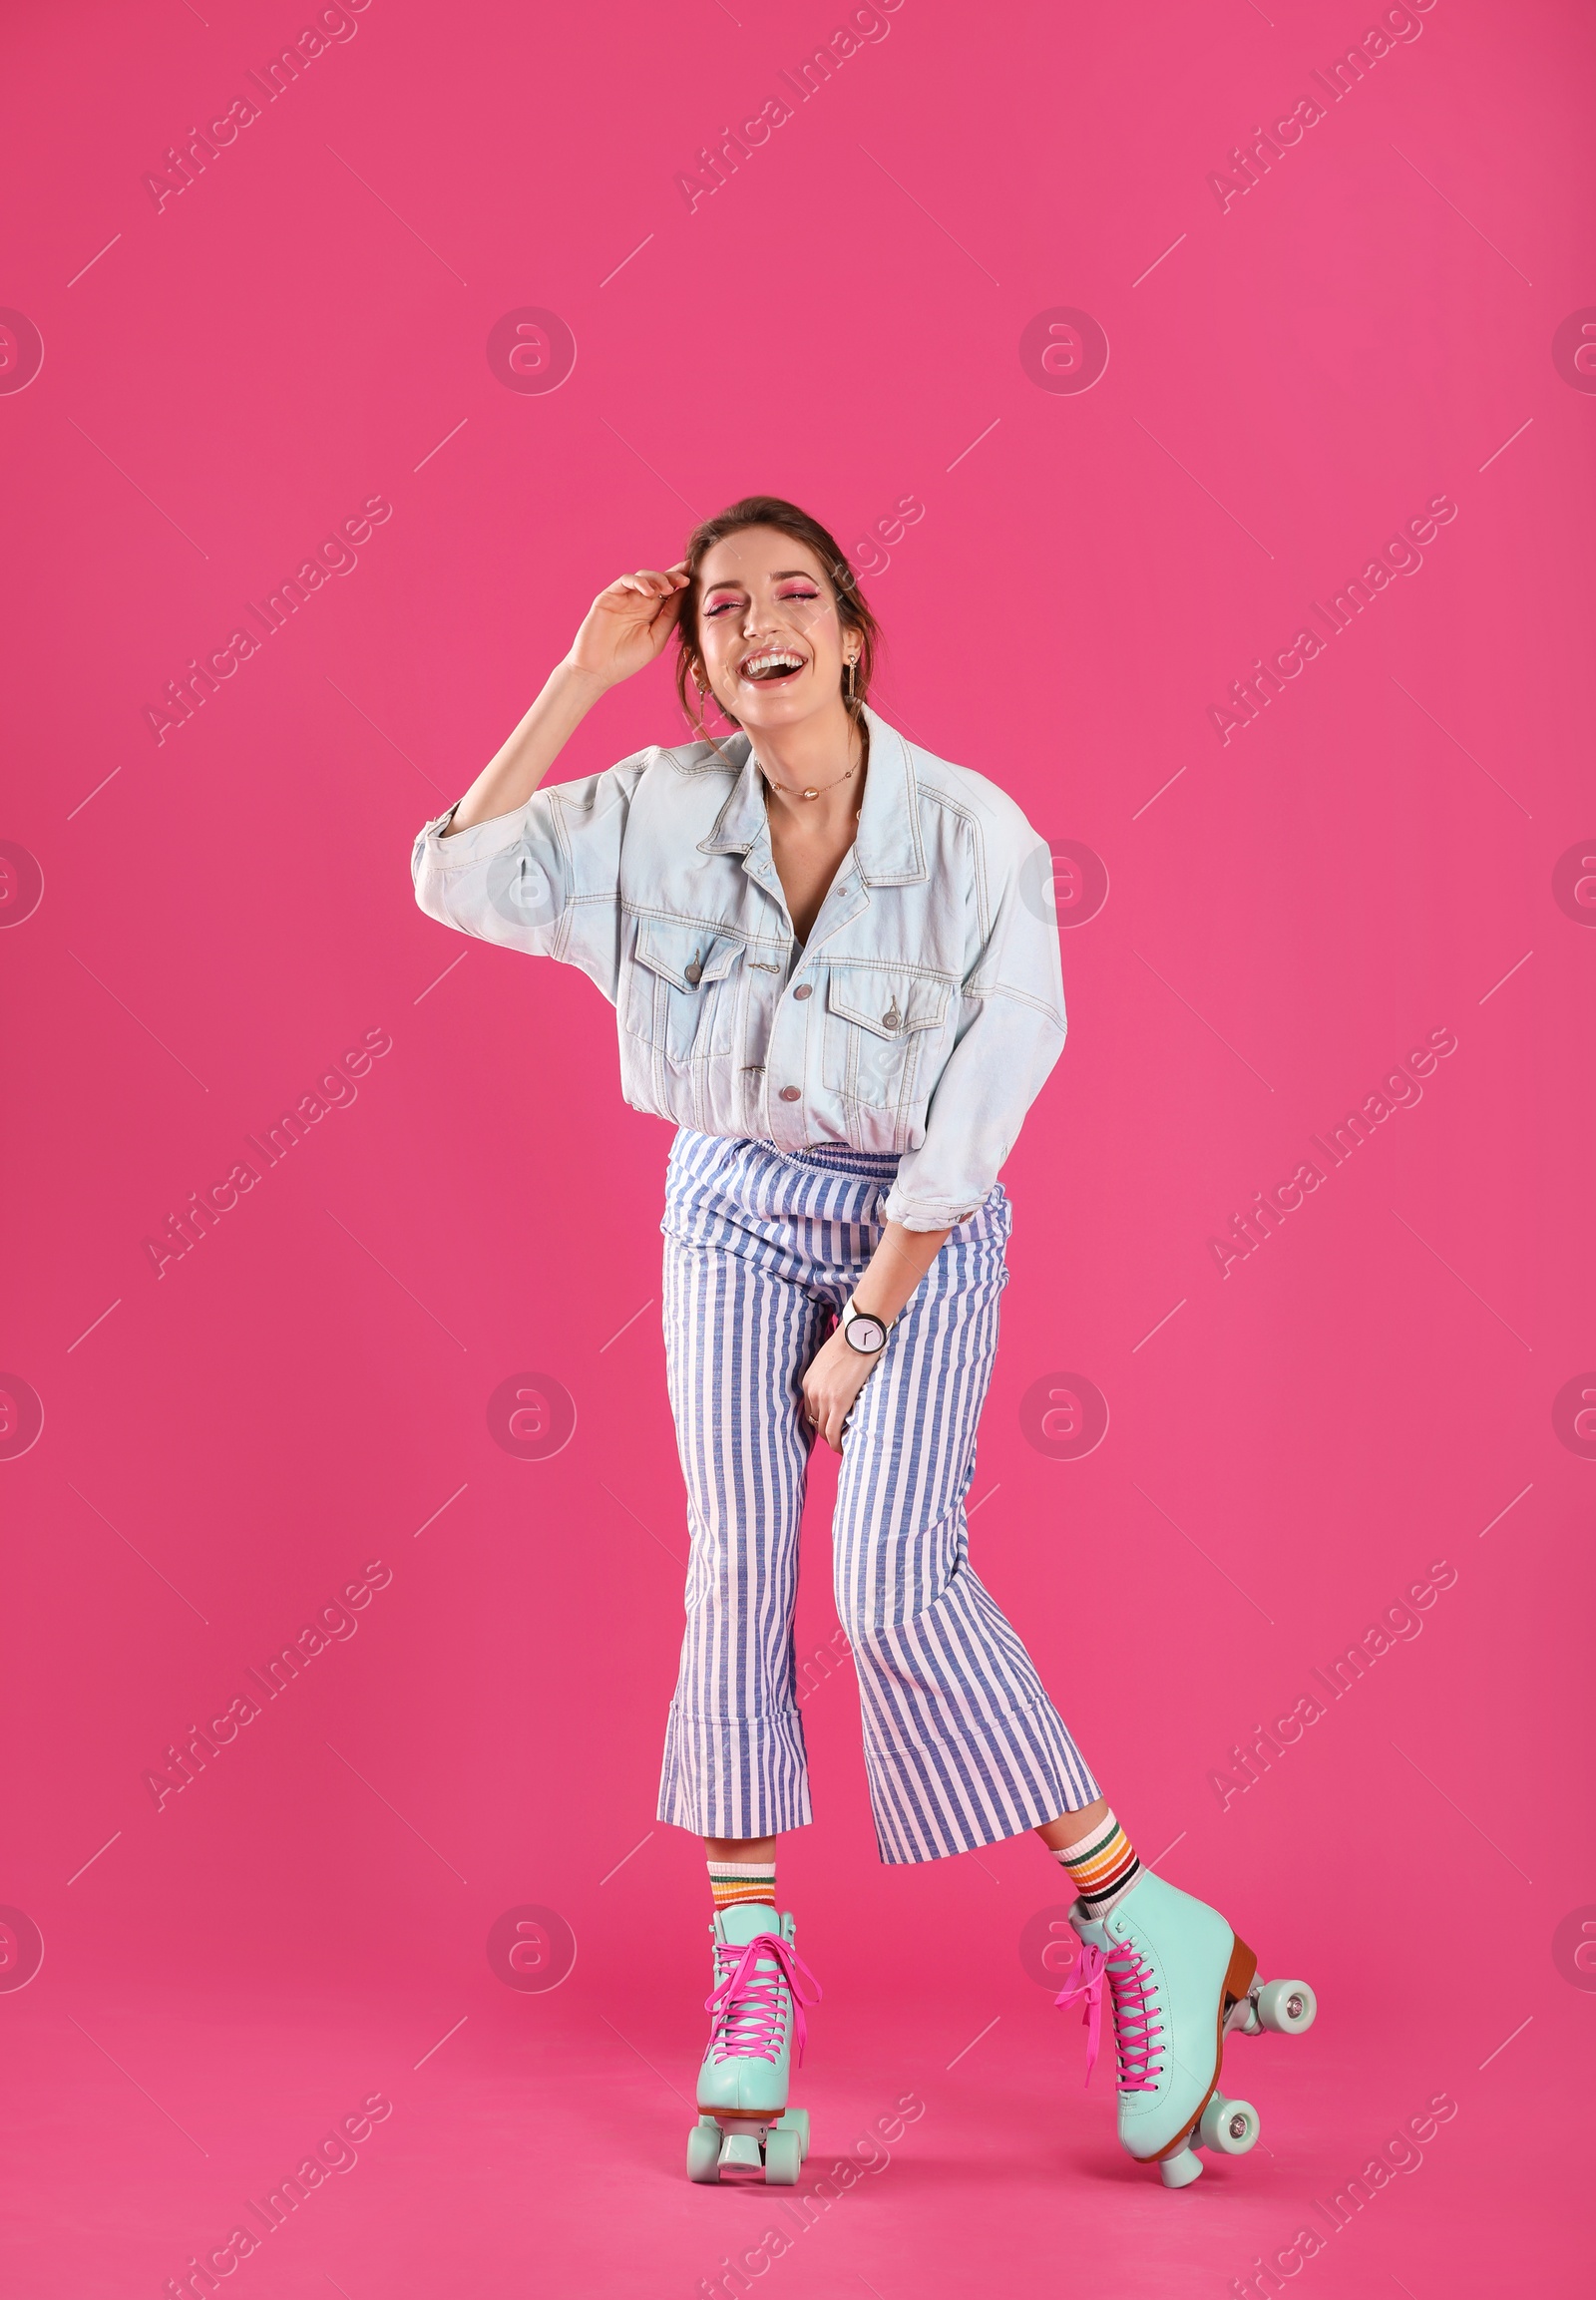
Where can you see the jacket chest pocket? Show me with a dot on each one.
(680, 988)
(882, 1033)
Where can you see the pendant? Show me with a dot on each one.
(811, 793)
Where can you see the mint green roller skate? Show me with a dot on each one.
(1180, 1982)
(756, 2008)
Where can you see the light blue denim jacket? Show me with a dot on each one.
(920, 1017)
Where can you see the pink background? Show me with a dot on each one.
(1291, 378)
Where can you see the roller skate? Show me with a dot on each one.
(1180, 1982)
(756, 2006)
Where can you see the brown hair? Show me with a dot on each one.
(852, 611)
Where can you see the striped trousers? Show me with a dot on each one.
(961, 1745)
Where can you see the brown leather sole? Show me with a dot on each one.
(1239, 1977)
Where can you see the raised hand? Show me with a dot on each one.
(624, 631)
(629, 623)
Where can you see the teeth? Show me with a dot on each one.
(777, 656)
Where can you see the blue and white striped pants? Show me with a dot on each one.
(961, 1745)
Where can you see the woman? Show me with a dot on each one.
(835, 965)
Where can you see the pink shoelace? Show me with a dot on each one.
(1134, 2027)
(746, 2002)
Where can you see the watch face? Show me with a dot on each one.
(866, 1333)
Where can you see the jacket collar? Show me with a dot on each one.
(887, 843)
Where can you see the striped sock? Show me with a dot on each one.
(732, 1881)
(1102, 1866)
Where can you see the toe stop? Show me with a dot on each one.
(1179, 2170)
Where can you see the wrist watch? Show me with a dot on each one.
(861, 1330)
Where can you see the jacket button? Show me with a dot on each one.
(790, 1093)
(804, 991)
(695, 971)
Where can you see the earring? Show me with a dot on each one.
(707, 696)
(851, 660)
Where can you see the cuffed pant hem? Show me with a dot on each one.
(978, 1788)
(734, 1776)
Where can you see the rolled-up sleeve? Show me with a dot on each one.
(543, 879)
(1010, 1033)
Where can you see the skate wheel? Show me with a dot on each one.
(1179, 2170)
(703, 2151)
(796, 2120)
(1229, 2127)
(784, 2155)
(1285, 2007)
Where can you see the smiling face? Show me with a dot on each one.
(773, 649)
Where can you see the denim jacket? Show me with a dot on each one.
(920, 1017)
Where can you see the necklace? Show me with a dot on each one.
(810, 790)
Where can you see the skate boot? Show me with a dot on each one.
(756, 2009)
(1179, 1980)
